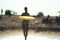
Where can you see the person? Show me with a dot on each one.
(1, 11)
(48, 19)
(25, 23)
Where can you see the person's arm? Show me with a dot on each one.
(22, 14)
(28, 14)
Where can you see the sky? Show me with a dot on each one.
(48, 7)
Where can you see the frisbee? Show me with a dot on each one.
(26, 18)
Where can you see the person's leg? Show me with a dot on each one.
(26, 32)
(25, 37)
(23, 29)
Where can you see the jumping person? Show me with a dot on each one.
(25, 23)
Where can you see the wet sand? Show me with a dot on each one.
(30, 32)
(32, 35)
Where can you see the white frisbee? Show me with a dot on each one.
(26, 18)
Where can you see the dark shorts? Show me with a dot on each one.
(25, 25)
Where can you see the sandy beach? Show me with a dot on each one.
(17, 34)
(30, 32)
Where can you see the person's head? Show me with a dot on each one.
(56, 16)
(25, 9)
(48, 16)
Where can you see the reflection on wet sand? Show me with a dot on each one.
(30, 32)
(32, 35)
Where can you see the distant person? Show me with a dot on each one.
(1, 11)
(59, 19)
(25, 23)
(56, 20)
(47, 19)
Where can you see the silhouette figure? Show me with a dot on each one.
(46, 20)
(25, 23)
(1, 11)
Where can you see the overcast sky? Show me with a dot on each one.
(48, 7)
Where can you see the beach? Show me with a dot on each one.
(17, 34)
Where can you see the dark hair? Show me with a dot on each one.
(25, 8)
